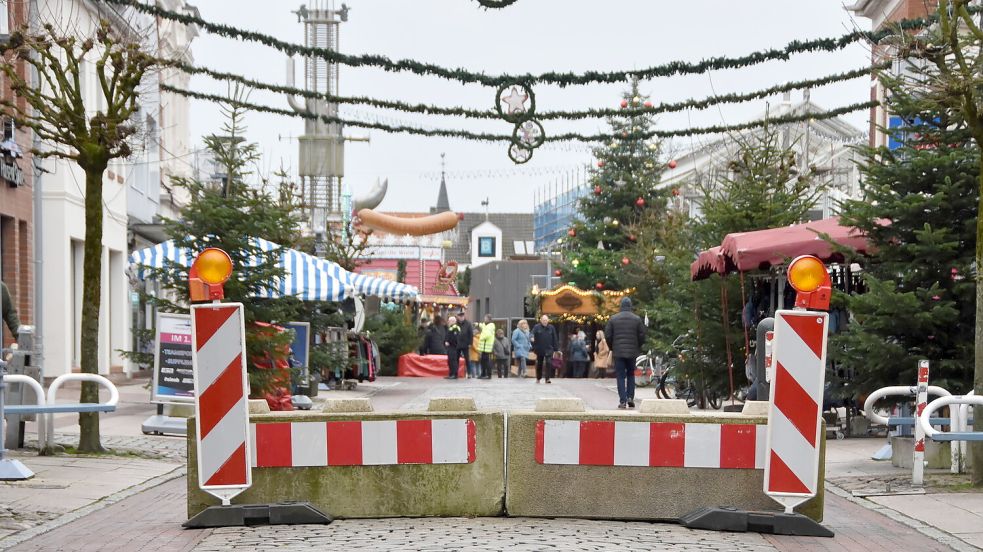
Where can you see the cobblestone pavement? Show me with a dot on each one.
(148, 446)
(454, 534)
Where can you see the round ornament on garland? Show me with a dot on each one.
(640, 202)
(529, 134)
(648, 105)
(624, 104)
(511, 102)
(597, 190)
(519, 154)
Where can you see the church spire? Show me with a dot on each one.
(443, 204)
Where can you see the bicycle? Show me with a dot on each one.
(695, 393)
(648, 369)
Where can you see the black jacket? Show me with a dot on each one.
(433, 340)
(467, 333)
(544, 340)
(451, 338)
(625, 334)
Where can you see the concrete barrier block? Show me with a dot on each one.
(346, 405)
(606, 465)
(256, 406)
(452, 404)
(755, 408)
(374, 464)
(180, 410)
(664, 406)
(564, 404)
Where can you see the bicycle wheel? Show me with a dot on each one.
(713, 400)
(667, 386)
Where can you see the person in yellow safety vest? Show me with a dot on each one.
(486, 343)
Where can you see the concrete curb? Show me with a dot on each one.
(27, 534)
(929, 531)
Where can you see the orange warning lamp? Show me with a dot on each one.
(809, 277)
(211, 269)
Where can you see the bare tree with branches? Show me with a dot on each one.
(54, 108)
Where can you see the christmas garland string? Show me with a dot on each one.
(487, 137)
(594, 113)
(558, 78)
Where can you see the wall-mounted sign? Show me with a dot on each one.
(10, 172)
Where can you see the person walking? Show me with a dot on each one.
(9, 311)
(521, 346)
(453, 347)
(579, 355)
(544, 344)
(465, 340)
(625, 334)
(486, 346)
(602, 355)
(433, 338)
(501, 352)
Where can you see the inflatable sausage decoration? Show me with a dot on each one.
(420, 226)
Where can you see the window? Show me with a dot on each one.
(486, 246)
(4, 17)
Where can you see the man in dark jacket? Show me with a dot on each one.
(544, 344)
(465, 339)
(625, 334)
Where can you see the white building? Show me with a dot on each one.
(131, 197)
(825, 150)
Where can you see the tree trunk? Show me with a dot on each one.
(91, 301)
(976, 447)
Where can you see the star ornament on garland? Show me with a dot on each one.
(515, 100)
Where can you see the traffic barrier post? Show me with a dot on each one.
(921, 396)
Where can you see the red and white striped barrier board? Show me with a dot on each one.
(363, 443)
(655, 444)
(792, 462)
(921, 396)
(221, 390)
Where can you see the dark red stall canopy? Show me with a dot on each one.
(762, 249)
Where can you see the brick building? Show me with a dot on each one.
(16, 192)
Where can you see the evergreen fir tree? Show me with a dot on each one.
(623, 199)
(919, 211)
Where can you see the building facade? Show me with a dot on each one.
(555, 208)
(132, 199)
(825, 151)
(881, 13)
(16, 191)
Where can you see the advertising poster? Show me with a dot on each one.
(173, 375)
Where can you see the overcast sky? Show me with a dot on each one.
(529, 36)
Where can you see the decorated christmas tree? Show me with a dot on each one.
(919, 212)
(623, 204)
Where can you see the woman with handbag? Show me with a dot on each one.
(602, 355)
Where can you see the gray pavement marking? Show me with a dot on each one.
(933, 533)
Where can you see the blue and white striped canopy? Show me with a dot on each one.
(307, 277)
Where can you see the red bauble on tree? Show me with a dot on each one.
(675, 191)
(558, 272)
(597, 190)
(600, 164)
(625, 261)
(647, 104)
(631, 237)
(599, 285)
(624, 104)
(572, 232)
(671, 164)
(640, 202)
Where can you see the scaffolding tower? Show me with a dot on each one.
(322, 146)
